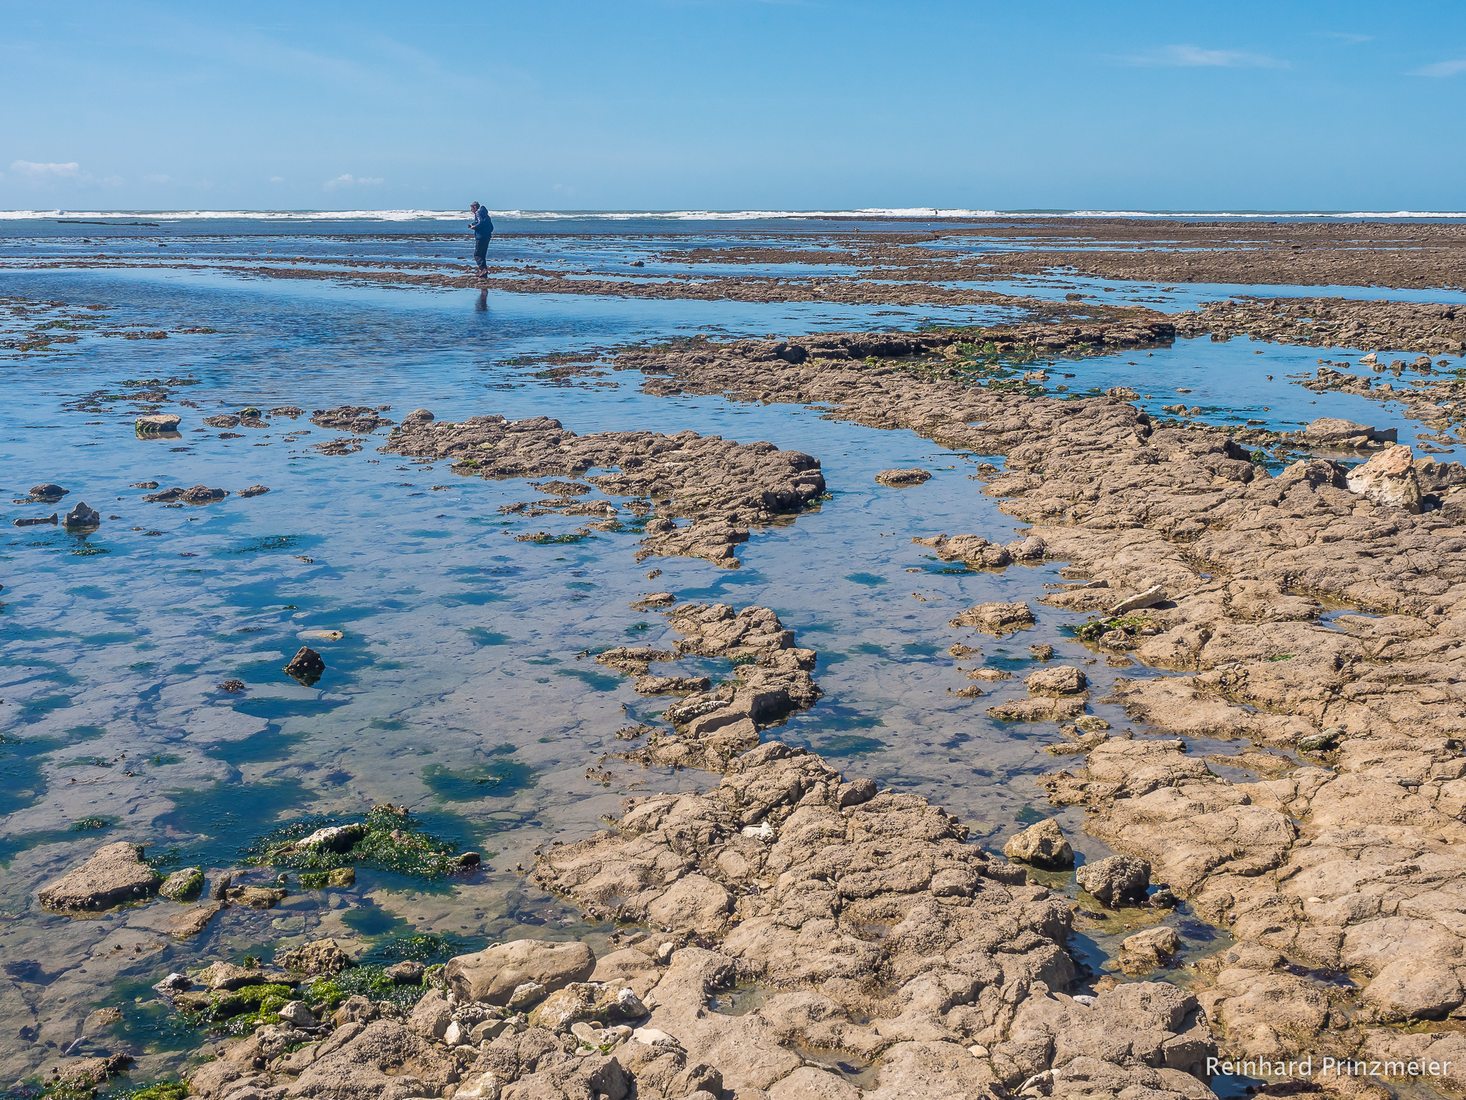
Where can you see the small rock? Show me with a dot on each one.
(1042, 845)
(496, 973)
(158, 424)
(183, 885)
(1388, 478)
(306, 666)
(82, 517)
(47, 493)
(231, 687)
(1149, 950)
(902, 479)
(1058, 680)
(254, 491)
(406, 972)
(297, 1014)
(996, 618)
(1153, 596)
(1323, 741)
(1116, 880)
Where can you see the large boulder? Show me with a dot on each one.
(492, 975)
(114, 874)
(1389, 479)
(1332, 433)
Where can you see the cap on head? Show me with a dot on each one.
(472, 205)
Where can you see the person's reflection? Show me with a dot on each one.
(482, 305)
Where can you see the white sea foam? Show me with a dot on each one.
(911, 212)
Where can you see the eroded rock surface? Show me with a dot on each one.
(705, 492)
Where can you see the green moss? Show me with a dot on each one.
(390, 842)
(163, 1090)
(1092, 630)
(89, 824)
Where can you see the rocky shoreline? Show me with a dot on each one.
(791, 931)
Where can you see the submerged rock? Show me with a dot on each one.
(1057, 680)
(1149, 950)
(47, 493)
(197, 494)
(113, 875)
(996, 618)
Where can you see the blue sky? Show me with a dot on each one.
(787, 104)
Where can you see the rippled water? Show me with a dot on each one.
(461, 686)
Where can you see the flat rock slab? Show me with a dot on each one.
(115, 874)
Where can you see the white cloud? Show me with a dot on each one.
(277, 179)
(1197, 57)
(46, 170)
(1454, 67)
(346, 179)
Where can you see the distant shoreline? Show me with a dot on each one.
(873, 214)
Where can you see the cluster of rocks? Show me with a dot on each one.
(712, 724)
(1352, 867)
(1333, 322)
(716, 488)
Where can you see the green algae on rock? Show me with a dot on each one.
(387, 840)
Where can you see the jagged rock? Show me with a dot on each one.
(1041, 844)
(183, 885)
(1115, 880)
(306, 666)
(1149, 950)
(112, 875)
(1332, 433)
(1389, 478)
(1056, 680)
(324, 957)
(82, 517)
(996, 618)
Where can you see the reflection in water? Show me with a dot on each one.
(482, 305)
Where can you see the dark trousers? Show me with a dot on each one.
(481, 248)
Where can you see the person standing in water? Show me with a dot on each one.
(483, 232)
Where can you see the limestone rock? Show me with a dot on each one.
(493, 974)
(1115, 880)
(1389, 478)
(1057, 680)
(114, 874)
(1149, 950)
(903, 478)
(1041, 844)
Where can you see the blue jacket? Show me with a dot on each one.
(483, 225)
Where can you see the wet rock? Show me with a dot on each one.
(319, 957)
(82, 517)
(197, 494)
(335, 838)
(971, 550)
(37, 521)
(996, 618)
(183, 885)
(77, 1077)
(254, 491)
(47, 493)
(492, 975)
(231, 686)
(1056, 680)
(1389, 478)
(903, 478)
(707, 491)
(307, 666)
(157, 424)
(1115, 880)
(357, 419)
(256, 897)
(193, 920)
(1149, 950)
(113, 875)
(1041, 844)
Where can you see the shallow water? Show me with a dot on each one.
(461, 686)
